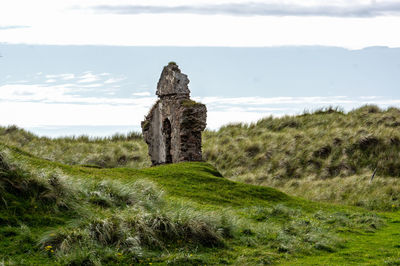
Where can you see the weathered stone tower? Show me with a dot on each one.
(173, 127)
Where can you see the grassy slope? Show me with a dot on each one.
(261, 215)
(198, 184)
(380, 248)
(118, 150)
(326, 155)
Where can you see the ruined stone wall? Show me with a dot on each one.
(173, 127)
(192, 123)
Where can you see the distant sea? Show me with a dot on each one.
(93, 131)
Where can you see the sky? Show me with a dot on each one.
(91, 66)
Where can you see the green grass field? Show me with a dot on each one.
(326, 155)
(85, 201)
(184, 213)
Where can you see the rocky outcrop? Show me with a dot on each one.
(172, 129)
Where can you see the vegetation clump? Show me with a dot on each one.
(189, 102)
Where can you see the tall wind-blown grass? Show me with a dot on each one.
(22, 191)
(116, 151)
(96, 221)
(325, 155)
(121, 218)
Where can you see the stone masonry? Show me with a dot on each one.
(173, 127)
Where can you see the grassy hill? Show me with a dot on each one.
(85, 201)
(326, 155)
(119, 150)
(187, 213)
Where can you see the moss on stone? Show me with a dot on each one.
(145, 125)
(189, 103)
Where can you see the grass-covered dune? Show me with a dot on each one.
(180, 214)
(115, 151)
(326, 155)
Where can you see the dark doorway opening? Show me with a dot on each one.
(167, 138)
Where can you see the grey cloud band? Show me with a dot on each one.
(259, 9)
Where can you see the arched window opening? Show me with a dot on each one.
(167, 139)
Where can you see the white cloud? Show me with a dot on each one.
(249, 101)
(88, 77)
(113, 80)
(94, 85)
(74, 26)
(265, 8)
(12, 27)
(146, 93)
(57, 77)
(84, 81)
(67, 76)
(24, 92)
(64, 93)
(59, 105)
(29, 114)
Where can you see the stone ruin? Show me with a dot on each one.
(172, 129)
